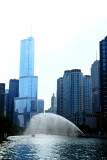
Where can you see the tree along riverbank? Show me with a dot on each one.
(7, 128)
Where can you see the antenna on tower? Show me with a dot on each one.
(96, 54)
(31, 30)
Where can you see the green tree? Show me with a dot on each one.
(6, 127)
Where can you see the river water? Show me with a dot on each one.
(52, 147)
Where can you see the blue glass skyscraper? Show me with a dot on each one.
(26, 103)
(103, 82)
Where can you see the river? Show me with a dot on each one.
(53, 147)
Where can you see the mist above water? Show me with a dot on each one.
(48, 123)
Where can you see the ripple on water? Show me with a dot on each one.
(48, 147)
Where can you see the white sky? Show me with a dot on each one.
(66, 32)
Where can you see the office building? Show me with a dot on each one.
(95, 74)
(26, 103)
(60, 96)
(6, 100)
(103, 81)
(13, 92)
(2, 99)
(72, 93)
(40, 106)
(87, 94)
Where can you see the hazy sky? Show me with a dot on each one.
(66, 32)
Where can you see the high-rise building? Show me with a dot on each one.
(72, 93)
(40, 106)
(26, 103)
(60, 96)
(2, 98)
(13, 92)
(6, 100)
(74, 98)
(95, 86)
(103, 81)
(53, 104)
(87, 94)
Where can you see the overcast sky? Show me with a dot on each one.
(66, 32)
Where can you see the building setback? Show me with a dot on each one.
(26, 103)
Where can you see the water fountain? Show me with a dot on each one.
(48, 123)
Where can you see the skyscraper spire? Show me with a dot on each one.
(96, 54)
(31, 30)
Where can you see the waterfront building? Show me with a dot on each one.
(87, 94)
(88, 119)
(103, 81)
(74, 98)
(53, 104)
(26, 103)
(13, 92)
(95, 73)
(72, 93)
(40, 106)
(2, 98)
(60, 96)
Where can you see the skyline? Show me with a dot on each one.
(66, 33)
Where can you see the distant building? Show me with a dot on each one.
(60, 96)
(95, 74)
(48, 110)
(40, 106)
(2, 98)
(74, 98)
(70, 94)
(13, 92)
(6, 100)
(53, 104)
(26, 103)
(87, 94)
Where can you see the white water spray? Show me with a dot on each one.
(48, 123)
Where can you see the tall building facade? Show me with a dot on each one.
(103, 81)
(40, 106)
(6, 100)
(87, 94)
(2, 99)
(13, 92)
(53, 104)
(74, 98)
(60, 96)
(95, 74)
(26, 103)
(70, 93)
